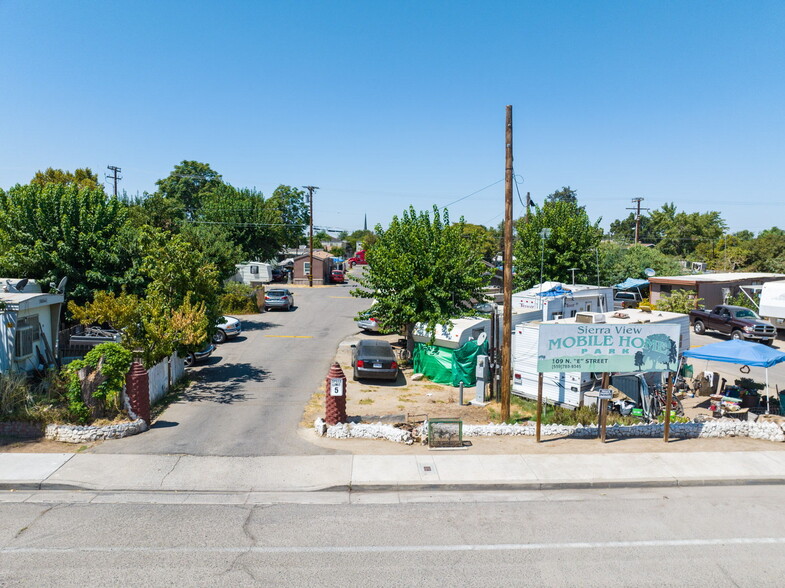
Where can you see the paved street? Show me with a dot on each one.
(644, 537)
(252, 391)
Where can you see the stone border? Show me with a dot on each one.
(769, 431)
(83, 434)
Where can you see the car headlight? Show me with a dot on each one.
(749, 329)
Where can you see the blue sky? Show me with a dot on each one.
(387, 104)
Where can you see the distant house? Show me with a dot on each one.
(29, 325)
(714, 289)
(322, 266)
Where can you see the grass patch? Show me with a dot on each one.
(366, 401)
(405, 398)
(524, 410)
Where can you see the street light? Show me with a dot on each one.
(544, 234)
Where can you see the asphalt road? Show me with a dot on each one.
(251, 392)
(715, 536)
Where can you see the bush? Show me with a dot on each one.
(115, 361)
(238, 298)
(679, 301)
(15, 393)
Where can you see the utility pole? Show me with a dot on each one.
(310, 239)
(507, 318)
(637, 209)
(115, 171)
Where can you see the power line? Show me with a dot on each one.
(473, 193)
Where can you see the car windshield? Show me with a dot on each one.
(277, 293)
(746, 313)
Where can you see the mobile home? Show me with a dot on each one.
(557, 300)
(252, 272)
(568, 388)
(772, 303)
(29, 325)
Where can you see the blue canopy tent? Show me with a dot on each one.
(740, 352)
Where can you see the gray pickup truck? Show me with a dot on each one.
(736, 321)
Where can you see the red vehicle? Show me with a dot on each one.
(358, 259)
(337, 277)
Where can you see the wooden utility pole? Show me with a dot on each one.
(637, 209)
(507, 320)
(668, 400)
(114, 177)
(310, 239)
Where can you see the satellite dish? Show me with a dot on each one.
(20, 285)
(61, 285)
(481, 339)
(649, 272)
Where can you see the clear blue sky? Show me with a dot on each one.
(386, 104)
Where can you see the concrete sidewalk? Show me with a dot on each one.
(445, 471)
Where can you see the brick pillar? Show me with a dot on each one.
(334, 403)
(137, 387)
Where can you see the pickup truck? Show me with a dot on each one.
(626, 299)
(736, 321)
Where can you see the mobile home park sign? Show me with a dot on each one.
(608, 347)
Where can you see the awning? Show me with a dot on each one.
(631, 283)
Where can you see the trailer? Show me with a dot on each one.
(29, 326)
(252, 272)
(557, 300)
(772, 303)
(569, 389)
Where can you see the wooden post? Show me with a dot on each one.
(539, 406)
(506, 367)
(668, 401)
(604, 407)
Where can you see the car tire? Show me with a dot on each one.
(699, 328)
(290, 308)
(189, 360)
(736, 334)
(219, 337)
(266, 309)
(354, 376)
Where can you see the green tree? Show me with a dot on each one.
(188, 183)
(82, 177)
(766, 252)
(623, 230)
(566, 194)
(421, 269)
(484, 240)
(571, 243)
(60, 230)
(619, 262)
(688, 230)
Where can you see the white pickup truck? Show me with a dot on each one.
(626, 299)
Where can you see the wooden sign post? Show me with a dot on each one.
(668, 402)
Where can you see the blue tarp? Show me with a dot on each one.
(737, 351)
(630, 283)
(555, 291)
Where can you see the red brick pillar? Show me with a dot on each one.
(335, 396)
(137, 387)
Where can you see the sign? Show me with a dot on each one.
(336, 386)
(605, 394)
(601, 347)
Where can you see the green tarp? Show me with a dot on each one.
(449, 366)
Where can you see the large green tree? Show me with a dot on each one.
(421, 269)
(566, 194)
(188, 183)
(619, 262)
(60, 230)
(82, 177)
(570, 241)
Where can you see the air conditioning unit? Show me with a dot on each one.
(589, 317)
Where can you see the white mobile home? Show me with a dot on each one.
(253, 271)
(557, 300)
(29, 325)
(568, 388)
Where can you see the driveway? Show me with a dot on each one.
(250, 394)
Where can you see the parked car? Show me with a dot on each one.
(337, 277)
(195, 357)
(374, 359)
(279, 298)
(368, 323)
(278, 274)
(736, 321)
(226, 328)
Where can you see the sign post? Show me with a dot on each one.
(539, 406)
(605, 395)
(668, 401)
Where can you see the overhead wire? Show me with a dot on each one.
(473, 193)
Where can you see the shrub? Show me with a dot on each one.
(15, 393)
(114, 361)
(238, 298)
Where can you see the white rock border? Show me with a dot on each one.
(768, 431)
(83, 434)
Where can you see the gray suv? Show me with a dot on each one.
(278, 298)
